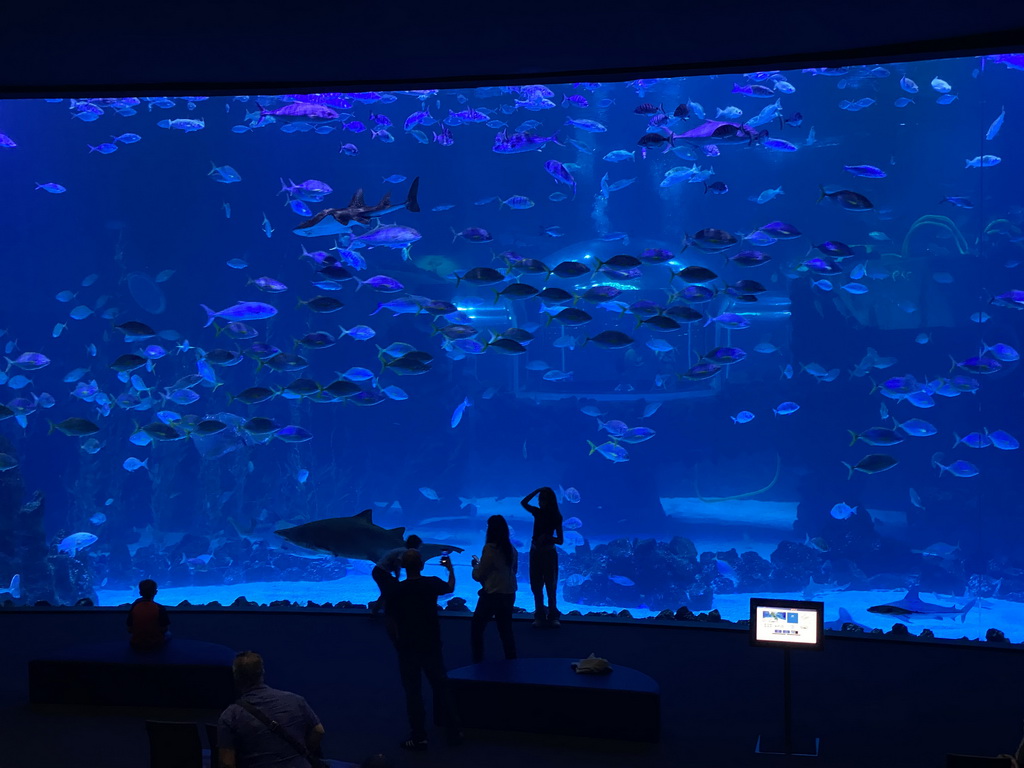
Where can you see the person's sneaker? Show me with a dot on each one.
(539, 623)
(554, 623)
(415, 745)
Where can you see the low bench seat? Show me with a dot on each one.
(188, 674)
(547, 696)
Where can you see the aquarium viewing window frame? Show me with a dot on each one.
(805, 615)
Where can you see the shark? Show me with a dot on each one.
(356, 537)
(912, 606)
(15, 589)
(339, 221)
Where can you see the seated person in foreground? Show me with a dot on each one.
(148, 620)
(244, 740)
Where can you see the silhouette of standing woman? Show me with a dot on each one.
(495, 569)
(547, 532)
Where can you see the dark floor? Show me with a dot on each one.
(884, 703)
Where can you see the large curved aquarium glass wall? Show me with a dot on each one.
(758, 332)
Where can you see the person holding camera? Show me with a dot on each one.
(412, 603)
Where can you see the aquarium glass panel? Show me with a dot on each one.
(758, 333)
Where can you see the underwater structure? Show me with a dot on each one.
(760, 332)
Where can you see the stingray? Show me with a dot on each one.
(339, 221)
(356, 537)
(912, 606)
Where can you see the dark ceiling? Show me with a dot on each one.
(191, 46)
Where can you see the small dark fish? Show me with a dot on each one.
(570, 269)
(610, 339)
(473, 235)
(505, 346)
(701, 371)
(260, 425)
(555, 296)
(75, 427)
(683, 313)
(696, 274)
(128, 362)
(526, 266)
(879, 436)
(209, 427)
(572, 316)
(780, 230)
(516, 292)
(282, 362)
(822, 266)
(599, 293)
(164, 432)
(620, 261)
(835, 249)
(725, 355)
(322, 304)
(647, 109)
(254, 395)
(750, 258)
(663, 323)
(135, 330)
(645, 308)
(716, 188)
(745, 288)
(342, 388)
(654, 140)
(873, 463)
(317, 340)
(847, 199)
(480, 276)
(712, 240)
(655, 256)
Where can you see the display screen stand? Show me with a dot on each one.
(787, 624)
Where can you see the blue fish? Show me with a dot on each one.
(866, 171)
(300, 208)
(243, 310)
(459, 410)
(560, 174)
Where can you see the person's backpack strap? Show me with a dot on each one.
(275, 727)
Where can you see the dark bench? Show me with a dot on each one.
(547, 696)
(188, 674)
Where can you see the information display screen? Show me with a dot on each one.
(786, 623)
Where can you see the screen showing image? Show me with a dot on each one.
(797, 623)
(791, 626)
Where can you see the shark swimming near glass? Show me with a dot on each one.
(911, 606)
(339, 221)
(356, 537)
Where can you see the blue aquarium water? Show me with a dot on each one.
(759, 332)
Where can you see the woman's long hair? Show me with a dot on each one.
(548, 503)
(497, 534)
